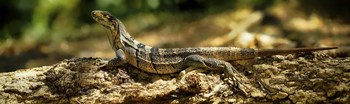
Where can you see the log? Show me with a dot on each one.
(299, 78)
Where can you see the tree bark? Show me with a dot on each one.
(301, 78)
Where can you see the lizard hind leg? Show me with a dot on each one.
(212, 63)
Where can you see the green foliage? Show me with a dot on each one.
(51, 20)
(15, 16)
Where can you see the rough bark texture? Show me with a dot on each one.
(300, 78)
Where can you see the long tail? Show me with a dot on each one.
(269, 52)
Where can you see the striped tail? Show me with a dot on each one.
(269, 52)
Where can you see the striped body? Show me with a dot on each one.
(166, 61)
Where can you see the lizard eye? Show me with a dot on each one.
(110, 19)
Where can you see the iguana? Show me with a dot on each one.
(172, 60)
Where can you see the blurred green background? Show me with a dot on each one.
(43, 32)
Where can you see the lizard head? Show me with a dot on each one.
(105, 18)
(112, 24)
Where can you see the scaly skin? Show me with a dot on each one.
(172, 60)
(166, 61)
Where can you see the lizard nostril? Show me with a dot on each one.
(93, 13)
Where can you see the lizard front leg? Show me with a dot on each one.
(212, 63)
(120, 58)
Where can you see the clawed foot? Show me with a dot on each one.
(236, 78)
